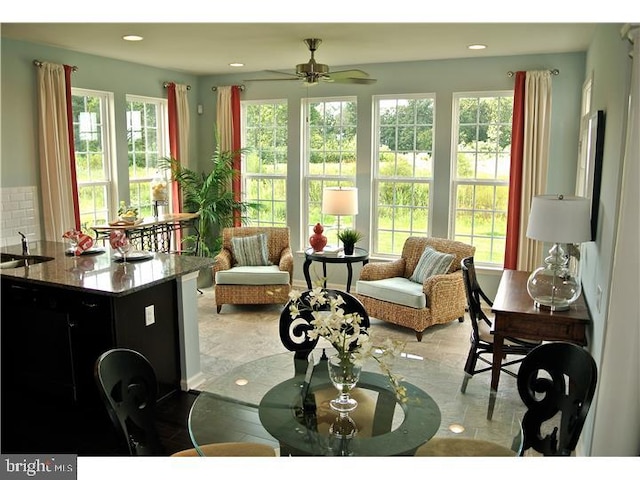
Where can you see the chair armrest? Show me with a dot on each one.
(445, 291)
(380, 270)
(286, 262)
(222, 260)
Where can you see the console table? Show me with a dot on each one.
(516, 316)
(151, 233)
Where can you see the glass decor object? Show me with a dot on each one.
(559, 220)
(344, 374)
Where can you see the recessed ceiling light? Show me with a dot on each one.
(236, 64)
(456, 428)
(132, 38)
(241, 382)
(477, 46)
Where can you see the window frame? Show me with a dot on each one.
(162, 138)
(109, 182)
(377, 179)
(247, 177)
(325, 180)
(455, 181)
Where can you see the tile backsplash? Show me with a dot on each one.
(19, 213)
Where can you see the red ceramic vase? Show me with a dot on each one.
(317, 240)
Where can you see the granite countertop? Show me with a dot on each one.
(100, 272)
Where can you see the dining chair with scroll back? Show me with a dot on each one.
(128, 386)
(556, 382)
(481, 339)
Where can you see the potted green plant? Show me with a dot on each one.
(349, 237)
(210, 195)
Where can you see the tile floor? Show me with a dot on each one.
(241, 334)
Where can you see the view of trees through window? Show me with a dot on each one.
(147, 143)
(93, 165)
(264, 167)
(404, 170)
(330, 158)
(481, 172)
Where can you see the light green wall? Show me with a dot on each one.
(19, 163)
(610, 64)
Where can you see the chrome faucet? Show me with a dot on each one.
(25, 244)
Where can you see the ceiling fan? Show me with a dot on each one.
(311, 73)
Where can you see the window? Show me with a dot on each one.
(148, 141)
(264, 168)
(480, 164)
(330, 158)
(403, 170)
(92, 132)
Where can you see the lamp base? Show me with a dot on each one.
(554, 287)
(548, 306)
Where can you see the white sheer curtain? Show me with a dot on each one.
(224, 119)
(55, 174)
(182, 108)
(535, 160)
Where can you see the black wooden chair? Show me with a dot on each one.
(293, 332)
(129, 388)
(482, 330)
(556, 378)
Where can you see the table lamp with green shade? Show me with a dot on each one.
(557, 219)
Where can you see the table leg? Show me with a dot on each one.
(349, 276)
(305, 269)
(498, 342)
(324, 274)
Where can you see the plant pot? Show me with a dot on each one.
(205, 277)
(348, 248)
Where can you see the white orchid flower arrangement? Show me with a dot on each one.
(345, 332)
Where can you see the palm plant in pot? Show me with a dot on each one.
(210, 195)
(349, 237)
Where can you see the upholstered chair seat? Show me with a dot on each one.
(422, 288)
(254, 266)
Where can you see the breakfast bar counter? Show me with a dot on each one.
(60, 314)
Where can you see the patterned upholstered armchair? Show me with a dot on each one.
(254, 266)
(390, 290)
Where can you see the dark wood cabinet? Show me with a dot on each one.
(51, 338)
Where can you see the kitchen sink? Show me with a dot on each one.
(8, 260)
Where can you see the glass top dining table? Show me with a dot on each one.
(292, 403)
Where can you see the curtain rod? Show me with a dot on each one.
(214, 88)
(553, 71)
(38, 63)
(166, 84)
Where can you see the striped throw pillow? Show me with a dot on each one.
(251, 251)
(431, 263)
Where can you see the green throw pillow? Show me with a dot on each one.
(431, 263)
(251, 251)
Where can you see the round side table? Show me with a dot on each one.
(359, 255)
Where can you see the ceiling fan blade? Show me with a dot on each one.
(348, 74)
(358, 81)
(282, 73)
(270, 79)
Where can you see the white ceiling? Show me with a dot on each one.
(208, 48)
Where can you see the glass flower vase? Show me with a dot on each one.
(344, 374)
